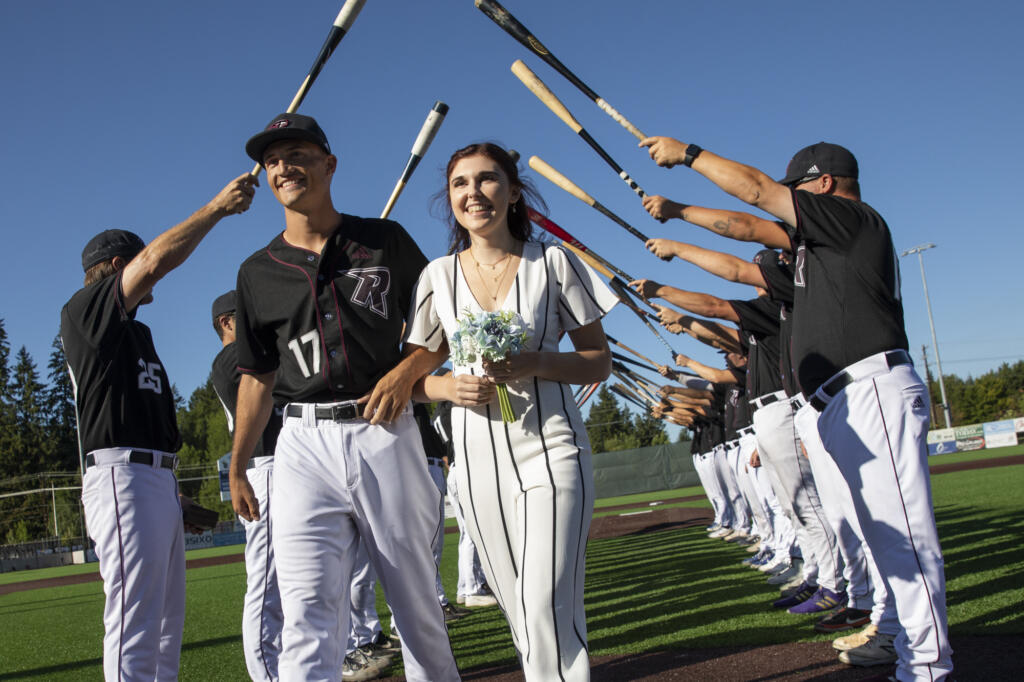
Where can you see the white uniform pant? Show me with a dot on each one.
(343, 481)
(471, 574)
(797, 492)
(437, 547)
(133, 514)
(731, 490)
(783, 537)
(758, 509)
(365, 623)
(709, 481)
(875, 430)
(262, 618)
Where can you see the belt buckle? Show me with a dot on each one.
(346, 412)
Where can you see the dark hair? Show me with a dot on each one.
(101, 270)
(218, 327)
(847, 185)
(518, 216)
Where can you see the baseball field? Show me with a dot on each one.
(663, 600)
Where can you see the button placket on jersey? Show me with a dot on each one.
(331, 323)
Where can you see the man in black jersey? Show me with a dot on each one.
(261, 611)
(851, 364)
(128, 434)
(320, 316)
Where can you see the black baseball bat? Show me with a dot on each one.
(503, 18)
(344, 20)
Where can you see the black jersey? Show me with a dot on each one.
(122, 394)
(778, 275)
(736, 410)
(759, 329)
(433, 446)
(226, 378)
(847, 302)
(329, 323)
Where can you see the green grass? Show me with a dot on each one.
(665, 590)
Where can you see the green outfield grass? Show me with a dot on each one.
(671, 589)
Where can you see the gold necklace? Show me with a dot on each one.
(499, 279)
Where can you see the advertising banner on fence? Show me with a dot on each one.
(941, 441)
(1018, 424)
(1000, 434)
(971, 437)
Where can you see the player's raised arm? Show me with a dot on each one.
(695, 302)
(736, 225)
(746, 183)
(723, 265)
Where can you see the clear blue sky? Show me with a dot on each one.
(129, 114)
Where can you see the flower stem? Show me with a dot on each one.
(507, 415)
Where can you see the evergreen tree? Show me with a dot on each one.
(649, 430)
(59, 401)
(7, 468)
(606, 421)
(27, 396)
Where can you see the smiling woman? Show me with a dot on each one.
(528, 481)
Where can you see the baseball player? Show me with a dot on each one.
(873, 408)
(128, 434)
(320, 315)
(261, 612)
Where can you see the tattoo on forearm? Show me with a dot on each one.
(724, 227)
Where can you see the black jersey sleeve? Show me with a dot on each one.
(825, 219)
(778, 275)
(256, 340)
(96, 315)
(758, 316)
(409, 261)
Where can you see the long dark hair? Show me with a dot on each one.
(518, 215)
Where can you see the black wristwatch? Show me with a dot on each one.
(692, 152)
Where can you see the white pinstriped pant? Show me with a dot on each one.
(261, 611)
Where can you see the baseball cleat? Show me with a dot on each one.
(453, 612)
(357, 667)
(475, 600)
(460, 599)
(845, 618)
(798, 597)
(755, 547)
(822, 600)
(856, 639)
(878, 650)
(721, 532)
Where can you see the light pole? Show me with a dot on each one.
(931, 323)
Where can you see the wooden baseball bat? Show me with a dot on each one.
(622, 391)
(419, 148)
(342, 23)
(620, 289)
(537, 87)
(538, 164)
(503, 18)
(630, 350)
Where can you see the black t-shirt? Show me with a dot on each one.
(328, 323)
(778, 275)
(847, 302)
(123, 396)
(759, 328)
(226, 378)
(433, 446)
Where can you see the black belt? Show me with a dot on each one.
(831, 388)
(765, 400)
(334, 413)
(436, 461)
(138, 457)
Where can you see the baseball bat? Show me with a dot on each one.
(342, 23)
(619, 288)
(620, 389)
(586, 393)
(630, 350)
(538, 164)
(537, 87)
(419, 148)
(623, 358)
(503, 18)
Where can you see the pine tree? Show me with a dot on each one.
(59, 400)
(27, 396)
(649, 430)
(607, 421)
(7, 468)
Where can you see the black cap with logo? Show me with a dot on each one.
(819, 159)
(286, 127)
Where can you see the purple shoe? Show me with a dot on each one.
(803, 593)
(822, 600)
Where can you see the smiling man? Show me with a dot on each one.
(320, 312)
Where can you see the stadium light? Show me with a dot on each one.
(931, 323)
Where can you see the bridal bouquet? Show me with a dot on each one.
(490, 336)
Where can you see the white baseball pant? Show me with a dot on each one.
(733, 496)
(437, 546)
(471, 575)
(346, 480)
(133, 514)
(262, 618)
(875, 430)
(365, 623)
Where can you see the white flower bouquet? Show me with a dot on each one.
(490, 336)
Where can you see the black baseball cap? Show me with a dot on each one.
(286, 127)
(823, 158)
(224, 305)
(108, 244)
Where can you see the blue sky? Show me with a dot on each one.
(128, 114)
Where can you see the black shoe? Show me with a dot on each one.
(453, 612)
(843, 619)
(386, 644)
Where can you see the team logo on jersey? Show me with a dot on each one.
(372, 290)
(799, 274)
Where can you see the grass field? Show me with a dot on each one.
(656, 591)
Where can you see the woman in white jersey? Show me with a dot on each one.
(528, 483)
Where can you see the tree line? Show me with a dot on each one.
(39, 445)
